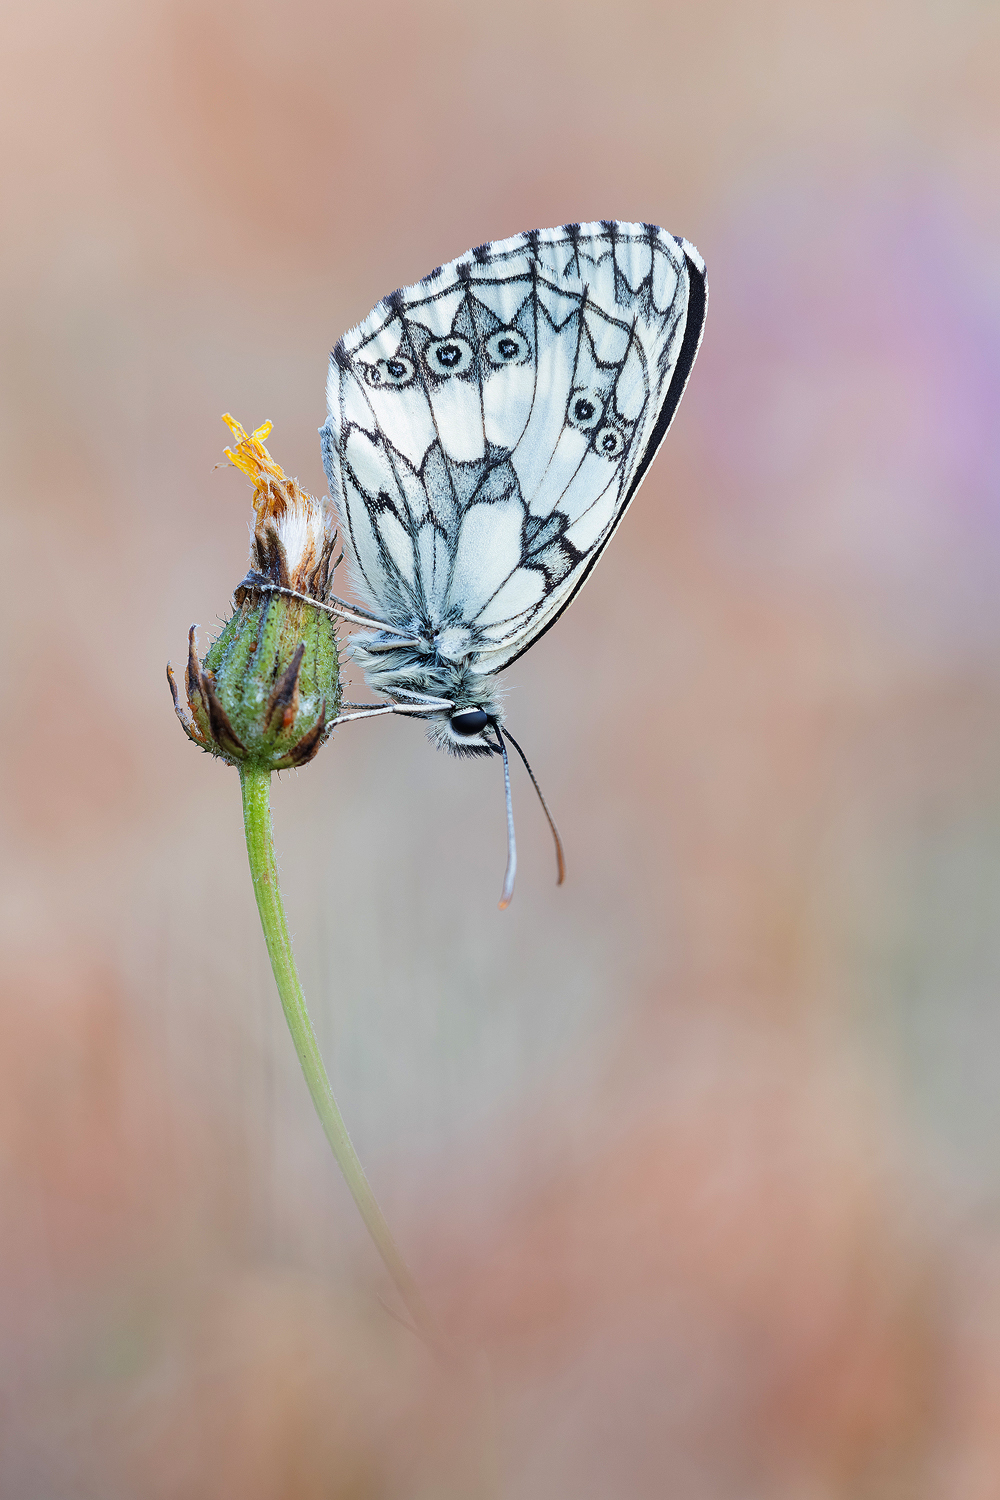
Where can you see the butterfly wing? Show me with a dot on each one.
(489, 426)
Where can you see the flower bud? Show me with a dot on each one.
(268, 691)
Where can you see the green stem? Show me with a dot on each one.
(264, 870)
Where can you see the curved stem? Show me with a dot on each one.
(264, 871)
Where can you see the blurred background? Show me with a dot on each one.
(703, 1149)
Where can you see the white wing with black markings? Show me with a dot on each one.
(489, 426)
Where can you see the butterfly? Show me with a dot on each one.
(487, 431)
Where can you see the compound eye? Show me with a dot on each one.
(450, 356)
(508, 347)
(609, 442)
(396, 371)
(470, 721)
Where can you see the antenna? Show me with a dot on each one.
(560, 858)
(511, 871)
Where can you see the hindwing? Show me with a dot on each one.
(489, 426)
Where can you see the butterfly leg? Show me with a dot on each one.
(425, 698)
(360, 712)
(410, 710)
(338, 607)
(394, 645)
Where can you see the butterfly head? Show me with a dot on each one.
(463, 707)
(469, 729)
(465, 729)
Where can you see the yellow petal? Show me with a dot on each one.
(250, 455)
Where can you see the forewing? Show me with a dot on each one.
(489, 426)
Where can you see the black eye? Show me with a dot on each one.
(397, 371)
(585, 409)
(451, 356)
(507, 347)
(470, 721)
(609, 442)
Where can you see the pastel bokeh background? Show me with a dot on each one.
(703, 1149)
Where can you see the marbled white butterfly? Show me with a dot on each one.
(487, 431)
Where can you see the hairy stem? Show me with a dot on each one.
(264, 870)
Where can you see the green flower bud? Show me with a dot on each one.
(268, 692)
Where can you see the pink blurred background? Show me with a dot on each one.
(703, 1149)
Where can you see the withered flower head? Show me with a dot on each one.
(292, 544)
(269, 689)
